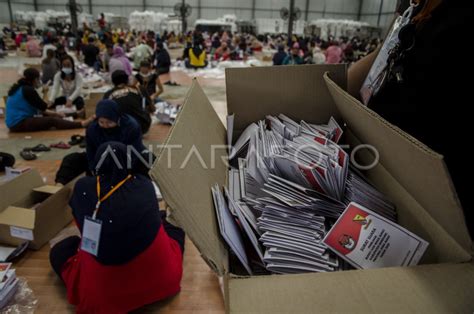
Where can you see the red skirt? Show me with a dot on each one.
(153, 275)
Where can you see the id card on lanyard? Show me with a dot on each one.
(92, 226)
(377, 73)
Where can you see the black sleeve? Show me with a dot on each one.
(33, 98)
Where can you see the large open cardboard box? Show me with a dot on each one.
(411, 174)
(21, 221)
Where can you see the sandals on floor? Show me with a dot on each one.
(28, 155)
(60, 145)
(76, 139)
(39, 148)
(169, 83)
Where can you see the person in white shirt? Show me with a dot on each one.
(318, 56)
(49, 45)
(67, 87)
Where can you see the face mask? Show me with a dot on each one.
(111, 131)
(145, 75)
(67, 71)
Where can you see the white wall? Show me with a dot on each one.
(370, 10)
(211, 9)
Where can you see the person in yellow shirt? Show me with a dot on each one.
(197, 57)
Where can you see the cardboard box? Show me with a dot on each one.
(411, 174)
(20, 220)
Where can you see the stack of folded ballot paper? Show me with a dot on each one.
(289, 186)
(8, 283)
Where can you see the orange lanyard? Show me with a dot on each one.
(106, 196)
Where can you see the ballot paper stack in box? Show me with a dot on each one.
(289, 188)
(8, 283)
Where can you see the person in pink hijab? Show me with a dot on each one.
(119, 61)
(33, 48)
(334, 53)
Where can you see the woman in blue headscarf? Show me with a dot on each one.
(109, 125)
(139, 254)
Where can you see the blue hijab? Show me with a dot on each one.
(130, 216)
(127, 131)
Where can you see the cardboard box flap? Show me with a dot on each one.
(48, 189)
(19, 187)
(420, 170)
(256, 92)
(444, 288)
(443, 248)
(19, 217)
(187, 169)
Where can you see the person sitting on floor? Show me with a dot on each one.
(162, 58)
(197, 57)
(50, 66)
(91, 53)
(33, 48)
(222, 53)
(119, 61)
(294, 57)
(109, 125)
(143, 52)
(131, 100)
(138, 257)
(24, 105)
(150, 81)
(67, 87)
(279, 56)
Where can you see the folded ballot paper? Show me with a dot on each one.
(288, 206)
(367, 240)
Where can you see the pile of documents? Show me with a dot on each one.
(8, 283)
(66, 110)
(166, 113)
(288, 184)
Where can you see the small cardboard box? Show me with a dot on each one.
(33, 211)
(408, 172)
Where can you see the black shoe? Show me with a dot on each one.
(38, 148)
(6, 160)
(28, 155)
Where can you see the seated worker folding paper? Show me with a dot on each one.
(24, 106)
(134, 258)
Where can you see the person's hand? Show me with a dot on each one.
(69, 103)
(45, 89)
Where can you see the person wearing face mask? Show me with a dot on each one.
(139, 255)
(109, 125)
(67, 87)
(150, 81)
(24, 105)
(131, 100)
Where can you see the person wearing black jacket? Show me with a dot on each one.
(91, 53)
(163, 60)
(279, 56)
(131, 100)
(24, 105)
(427, 95)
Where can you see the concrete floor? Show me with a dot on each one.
(200, 288)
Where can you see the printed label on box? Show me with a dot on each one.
(21, 233)
(368, 240)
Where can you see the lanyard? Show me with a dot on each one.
(106, 196)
